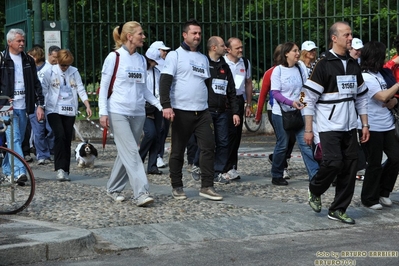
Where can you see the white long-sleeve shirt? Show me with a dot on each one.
(129, 91)
(51, 84)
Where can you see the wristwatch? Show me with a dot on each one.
(366, 125)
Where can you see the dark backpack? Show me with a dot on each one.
(245, 63)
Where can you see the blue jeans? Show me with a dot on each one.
(221, 128)
(19, 125)
(280, 150)
(44, 143)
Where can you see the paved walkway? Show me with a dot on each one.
(42, 241)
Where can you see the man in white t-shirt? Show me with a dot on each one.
(20, 82)
(241, 70)
(184, 98)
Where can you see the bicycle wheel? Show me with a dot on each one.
(14, 196)
(249, 122)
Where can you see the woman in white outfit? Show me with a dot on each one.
(62, 84)
(124, 111)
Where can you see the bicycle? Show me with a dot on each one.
(249, 121)
(14, 196)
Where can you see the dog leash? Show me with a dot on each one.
(96, 125)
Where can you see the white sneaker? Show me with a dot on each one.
(233, 174)
(386, 201)
(116, 196)
(160, 163)
(376, 207)
(286, 174)
(144, 200)
(62, 176)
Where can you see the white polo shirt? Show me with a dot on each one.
(239, 74)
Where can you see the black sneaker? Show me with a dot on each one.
(314, 202)
(22, 178)
(178, 193)
(196, 173)
(341, 216)
(220, 178)
(270, 159)
(279, 181)
(28, 159)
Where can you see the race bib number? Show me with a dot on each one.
(19, 94)
(197, 70)
(68, 110)
(347, 84)
(219, 86)
(135, 76)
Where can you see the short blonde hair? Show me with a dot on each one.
(65, 57)
(120, 34)
(37, 53)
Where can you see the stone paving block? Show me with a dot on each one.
(128, 237)
(187, 231)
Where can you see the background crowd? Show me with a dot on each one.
(344, 98)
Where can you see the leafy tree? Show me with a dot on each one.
(260, 24)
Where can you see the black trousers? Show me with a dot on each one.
(184, 125)
(340, 153)
(62, 127)
(379, 180)
(235, 134)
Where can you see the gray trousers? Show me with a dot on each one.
(128, 165)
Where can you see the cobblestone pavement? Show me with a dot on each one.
(87, 205)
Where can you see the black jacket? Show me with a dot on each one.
(217, 102)
(33, 87)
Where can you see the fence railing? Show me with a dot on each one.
(261, 25)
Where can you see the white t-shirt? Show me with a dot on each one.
(19, 83)
(379, 117)
(40, 73)
(289, 81)
(239, 74)
(189, 70)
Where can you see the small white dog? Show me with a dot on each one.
(85, 154)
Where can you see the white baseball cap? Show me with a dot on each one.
(308, 46)
(160, 46)
(153, 54)
(357, 44)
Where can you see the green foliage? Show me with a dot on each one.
(2, 22)
(261, 25)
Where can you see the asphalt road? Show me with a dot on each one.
(349, 246)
